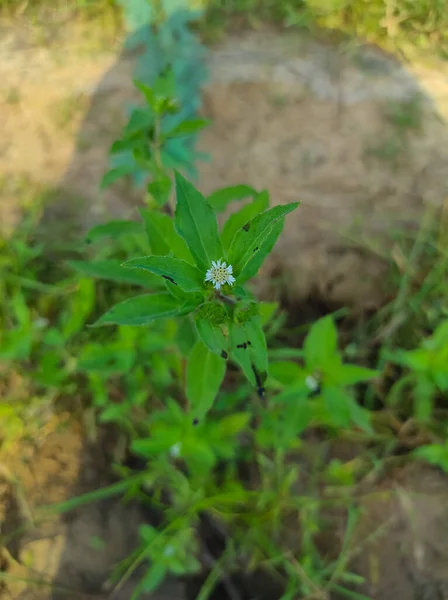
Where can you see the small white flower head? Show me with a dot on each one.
(168, 551)
(175, 450)
(219, 274)
(312, 383)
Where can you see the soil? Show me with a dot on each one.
(69, 556)
(308, 121)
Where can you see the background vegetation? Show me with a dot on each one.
(401, 24)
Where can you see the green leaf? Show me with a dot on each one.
(285, 372)
(162, 236)
(350, 375)
(160, 189)
(424, 392)
(250, 239)
(188, 127)
(196, 223)
(205, 373)
(80, 307)
(198, 455)
(113, 229)
(114, 175)
(113, 270)
(178, 272)
(267, 311)
(240, 218)
(417, 360)
(146, 90)
(124, 145)
(114, 413)
(337, 406)
(213, 337)
(221, 198)
(264, 250)
(232, 425)
(141, 310)
(297, 417)
(140, 121)
(248, 349)
(154, 577)
(360, 416)
(320, 345)
(435, 454)
(186, 336)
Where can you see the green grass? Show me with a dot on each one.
(421, 23)
(82, 7)
(395, 25)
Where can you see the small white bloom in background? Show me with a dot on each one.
(169, 551)
(311, 383)
(220, 273)
(40, 323)
(175, 450)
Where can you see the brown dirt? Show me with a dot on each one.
(402, 537)
(313, 123)
(73, 555)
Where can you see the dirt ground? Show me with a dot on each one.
(70, 556)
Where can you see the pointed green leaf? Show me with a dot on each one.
(264, 250)
(267, 311)
(188, 127)
(240, 218)
(147, 92)
(162, 236)
(178, 272)
(321, 343)
(205, 373)
(140, 121)
(424, 393)
(114, 175)
(417, 360)
(360, 416)
(286, 372)
(350, 375)
(213, 337)
(251, 237)
(125, 145)
(337, 406)
(196, 223)
(154, 577)
(160, 189)
(113, 270)
(220, 199)
(248, 348)
(113, 229)
(141, 310)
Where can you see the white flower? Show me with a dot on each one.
(220, 273)
(175, 450)
(311, 383)
(168, 551)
